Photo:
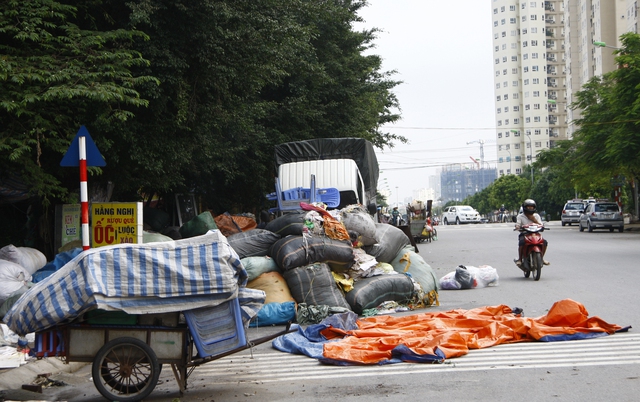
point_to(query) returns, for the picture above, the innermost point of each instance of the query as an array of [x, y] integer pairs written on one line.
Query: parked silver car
[[602, 215], [572, 211]]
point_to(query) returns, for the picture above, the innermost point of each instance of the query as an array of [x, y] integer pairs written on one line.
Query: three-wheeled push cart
[[418, 214], [127, 352]]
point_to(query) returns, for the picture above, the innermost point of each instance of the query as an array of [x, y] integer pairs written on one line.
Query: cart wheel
[[125, 369]]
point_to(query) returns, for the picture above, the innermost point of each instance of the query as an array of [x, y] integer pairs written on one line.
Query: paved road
[[597, 269]]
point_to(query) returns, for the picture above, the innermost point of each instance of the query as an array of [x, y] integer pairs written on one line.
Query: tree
[[237, 78], [607, 143], [55, 76]]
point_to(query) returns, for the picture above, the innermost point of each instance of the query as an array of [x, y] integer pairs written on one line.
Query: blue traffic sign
[[72, 157]]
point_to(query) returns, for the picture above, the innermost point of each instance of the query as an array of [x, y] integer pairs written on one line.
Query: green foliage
[[55, 77]]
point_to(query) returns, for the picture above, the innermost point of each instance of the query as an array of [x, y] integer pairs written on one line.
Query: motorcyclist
[[527, 216], [395, 216], [502, 210]]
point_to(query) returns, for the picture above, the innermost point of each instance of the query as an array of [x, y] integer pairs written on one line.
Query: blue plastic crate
[[216, 330], [330, 196]]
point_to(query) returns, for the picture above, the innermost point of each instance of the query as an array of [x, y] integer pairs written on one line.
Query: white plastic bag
[[484, 276], [12, 278], [29, 258]]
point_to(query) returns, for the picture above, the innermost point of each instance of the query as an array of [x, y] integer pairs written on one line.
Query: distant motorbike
[[532, 254]]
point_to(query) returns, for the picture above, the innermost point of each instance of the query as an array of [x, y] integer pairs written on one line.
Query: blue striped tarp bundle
[[138, 279]]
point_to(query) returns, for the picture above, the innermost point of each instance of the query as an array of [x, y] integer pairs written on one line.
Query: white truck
[[347, 166]]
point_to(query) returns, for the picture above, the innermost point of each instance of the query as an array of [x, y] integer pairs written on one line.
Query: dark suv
[[605, 215], [571, 212]]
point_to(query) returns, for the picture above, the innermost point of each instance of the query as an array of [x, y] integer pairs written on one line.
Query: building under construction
[[460, 180]]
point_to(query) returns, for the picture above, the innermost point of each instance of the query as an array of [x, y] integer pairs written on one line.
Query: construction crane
[[481, 142]]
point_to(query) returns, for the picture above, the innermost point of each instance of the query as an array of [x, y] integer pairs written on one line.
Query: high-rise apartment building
[[543, 54]]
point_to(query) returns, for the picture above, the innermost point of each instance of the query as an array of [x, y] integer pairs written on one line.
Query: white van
[[458, 214]]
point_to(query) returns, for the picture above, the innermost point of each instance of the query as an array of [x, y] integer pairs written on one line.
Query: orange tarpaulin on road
[[439, 335]]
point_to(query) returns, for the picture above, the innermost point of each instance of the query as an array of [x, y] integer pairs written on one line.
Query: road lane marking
[[273, 366]]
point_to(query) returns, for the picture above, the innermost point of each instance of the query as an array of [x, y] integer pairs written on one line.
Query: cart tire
[[125, 369]]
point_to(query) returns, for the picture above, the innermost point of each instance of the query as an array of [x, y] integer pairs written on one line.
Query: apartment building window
[[513, 71], [536, 119], [534, 55], [499, 147], [498, 85], [524, 19], [514, 84], [526, 81], [536, 131], [495, 11], [498, 98], [502, 9], [525, 56], [528, 157], [526, 69], [497, 48], [533, 17], [533, 4], [499, 135], [504, 33], [512, 8], [535, 80], [504, 59], [515, 96], [516, 108], [514, 58], [524, 31], [526, 94], [527, 132], [536, 94], [534, 30], [534, 43], [516, 146], [514, 46], [518, 170], [512, 20], [495, 23], [505, 84], [499, 122], [498, 110], [525, 43], [506, 109], [504, 72], [495, 36], [503, 21], [497, 73], [506, 96], [504, 46], [514, 33], [536, 106], [526, 107], [516, 121], [538, 144], [523, 6], [497, 61], [527, 119], [506, 122], [534, 68]]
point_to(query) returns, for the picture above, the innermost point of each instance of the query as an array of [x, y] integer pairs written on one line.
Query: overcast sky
[[442, 51]]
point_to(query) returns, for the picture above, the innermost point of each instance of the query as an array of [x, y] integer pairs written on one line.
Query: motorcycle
[[532, 254]]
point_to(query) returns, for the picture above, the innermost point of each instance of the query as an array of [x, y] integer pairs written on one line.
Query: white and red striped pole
[[84, 194]]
